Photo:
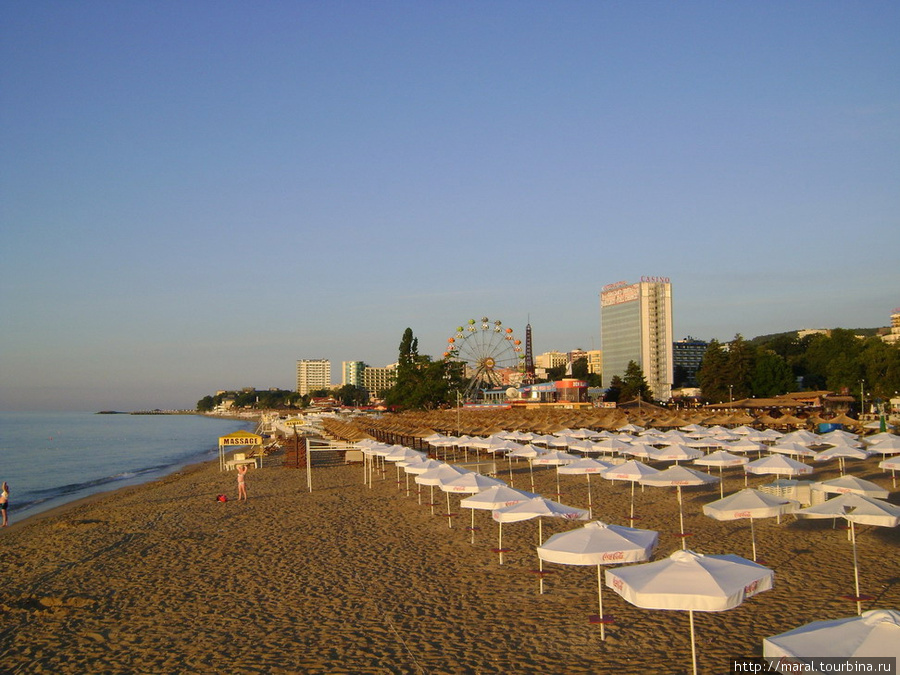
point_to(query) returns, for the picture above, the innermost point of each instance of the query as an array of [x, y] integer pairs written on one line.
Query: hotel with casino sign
[[636, 325]]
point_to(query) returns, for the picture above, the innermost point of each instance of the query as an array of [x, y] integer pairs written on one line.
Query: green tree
[[556, 372], [206, 404], [352, 395], [739, 368], [614, 391], [832, 361], [880, 363], [711, 376], [634, 384], [422, 383], [771, 374]]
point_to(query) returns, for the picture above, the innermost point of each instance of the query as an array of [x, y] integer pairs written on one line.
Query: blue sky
[[194, 195]]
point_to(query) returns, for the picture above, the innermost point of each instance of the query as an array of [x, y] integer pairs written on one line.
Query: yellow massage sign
[[240, 438]]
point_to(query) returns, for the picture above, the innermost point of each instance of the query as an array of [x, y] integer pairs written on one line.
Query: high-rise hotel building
[[312, 375], [636, 325]]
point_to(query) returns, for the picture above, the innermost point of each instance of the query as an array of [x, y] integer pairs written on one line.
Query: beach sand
[[351, 579]]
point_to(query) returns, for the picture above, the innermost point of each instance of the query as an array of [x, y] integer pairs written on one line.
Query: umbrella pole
[[681, 519], [511, 484], [540, 560], [472, 528], [855, 569], [753, 538], [449, 520], [693, 644], [721, 485], [632, 503], [431, 498], [500, 542], [531, 469], [600, 601], [558, 494], [894, 477], [590, 505]]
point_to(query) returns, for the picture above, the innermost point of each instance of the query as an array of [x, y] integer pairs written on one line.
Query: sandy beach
[[352, 579]]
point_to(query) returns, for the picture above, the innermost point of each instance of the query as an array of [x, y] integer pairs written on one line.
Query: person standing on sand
[[4, 502], [242, 485]]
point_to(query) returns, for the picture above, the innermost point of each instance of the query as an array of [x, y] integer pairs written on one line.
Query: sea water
[[50, 459]]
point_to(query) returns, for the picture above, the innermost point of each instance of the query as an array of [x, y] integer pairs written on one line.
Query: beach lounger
[[238, 459]]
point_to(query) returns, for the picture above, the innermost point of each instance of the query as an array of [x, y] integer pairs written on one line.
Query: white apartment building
[[376, 380], [549, 360], [352, 372], [313, 374]]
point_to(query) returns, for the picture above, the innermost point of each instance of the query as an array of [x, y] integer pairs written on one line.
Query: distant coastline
[[146, 412]]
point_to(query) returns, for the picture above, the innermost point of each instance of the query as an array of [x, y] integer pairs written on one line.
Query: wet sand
[[352, 579]]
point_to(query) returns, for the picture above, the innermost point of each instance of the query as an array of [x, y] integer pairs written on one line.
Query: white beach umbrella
[[555, 458], [599, 544], [851, 484], [778, 465], [678, 476], [632, 471], [691, 581], [801, 436], [855, 509], [516, 435], [745, 445], [584, 433], [420, 467], [443, 442], [563, 441], [674, 436], [631, 428], [708, 442], [840, 452], [721, 458], [893, 465], [417, 468], [874, 634], [400, 454], [435, 476], [611, 445], [639, 449], [539, 507], [882, 436], [528, 452], [792, 448], [495, 497], [887, 446], [675, 452], [585, 466], [369, 447], [502, 446], [749, 503], [839, 436], [694, 429], [467, 483], [583, 445]]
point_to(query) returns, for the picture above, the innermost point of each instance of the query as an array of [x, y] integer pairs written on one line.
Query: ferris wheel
[[489, 351]]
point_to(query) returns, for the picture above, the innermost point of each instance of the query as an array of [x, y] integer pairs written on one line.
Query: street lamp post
[[862, 398]]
